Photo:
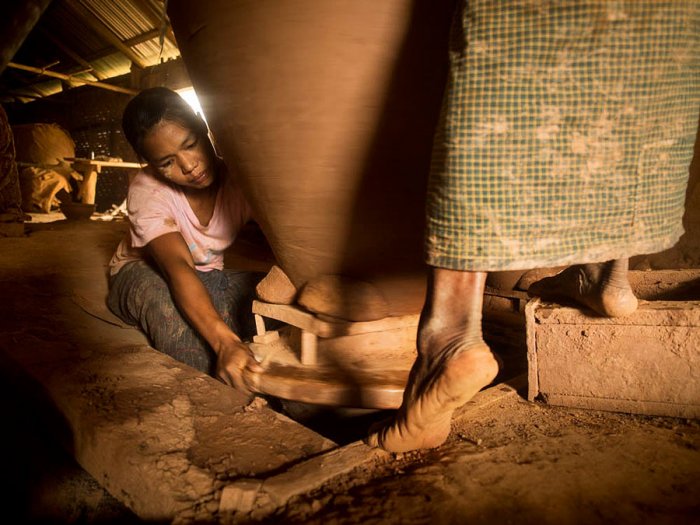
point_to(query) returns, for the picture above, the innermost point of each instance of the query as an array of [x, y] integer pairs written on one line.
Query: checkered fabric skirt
[[566, 133]]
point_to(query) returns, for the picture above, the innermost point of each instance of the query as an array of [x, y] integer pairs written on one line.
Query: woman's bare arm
[[192, 298]]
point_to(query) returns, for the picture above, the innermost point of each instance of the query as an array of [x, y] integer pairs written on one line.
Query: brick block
[[647, 363]]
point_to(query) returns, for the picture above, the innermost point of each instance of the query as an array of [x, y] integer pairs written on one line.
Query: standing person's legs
[[453, 362], [140, 296]]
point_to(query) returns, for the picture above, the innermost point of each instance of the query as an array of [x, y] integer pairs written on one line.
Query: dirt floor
[[527, 463], [514, 462]]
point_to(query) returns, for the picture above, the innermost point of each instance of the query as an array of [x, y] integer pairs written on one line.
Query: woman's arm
[[192, 298]]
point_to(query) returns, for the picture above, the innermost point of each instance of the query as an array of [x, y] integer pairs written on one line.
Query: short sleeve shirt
[[157, 207]]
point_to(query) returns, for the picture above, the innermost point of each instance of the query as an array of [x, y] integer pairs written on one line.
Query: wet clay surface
[[526, 463], [162, 438]]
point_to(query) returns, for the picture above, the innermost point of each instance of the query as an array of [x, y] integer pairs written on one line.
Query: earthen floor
[[507, 460]]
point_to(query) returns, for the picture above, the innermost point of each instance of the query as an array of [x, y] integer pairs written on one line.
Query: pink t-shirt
[[156, 207]]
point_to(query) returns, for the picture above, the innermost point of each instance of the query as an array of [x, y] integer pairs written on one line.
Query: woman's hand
[[233, 360]]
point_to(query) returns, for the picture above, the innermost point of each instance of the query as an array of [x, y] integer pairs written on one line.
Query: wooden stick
[[71, 78], [309, 348], [259, 324]]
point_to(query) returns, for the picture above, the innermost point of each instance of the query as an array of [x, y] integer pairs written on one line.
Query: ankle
[[615, 274], [435, 338]]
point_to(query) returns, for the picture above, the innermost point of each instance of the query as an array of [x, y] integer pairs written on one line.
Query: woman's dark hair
[[151, 106]]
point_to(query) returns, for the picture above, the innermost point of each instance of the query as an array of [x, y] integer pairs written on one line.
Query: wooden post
[[309, 348], [88, 188], [259, 324]]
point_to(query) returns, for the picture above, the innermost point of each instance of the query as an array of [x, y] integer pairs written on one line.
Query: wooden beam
[[133, 41], [71, 78], [155, 19], [70, 53], [143, 37]]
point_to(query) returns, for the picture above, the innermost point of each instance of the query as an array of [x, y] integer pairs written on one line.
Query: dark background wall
[[93, 119]]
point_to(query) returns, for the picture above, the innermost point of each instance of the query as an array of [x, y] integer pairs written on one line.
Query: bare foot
[[436, 387], [453, 363], [603, 287]]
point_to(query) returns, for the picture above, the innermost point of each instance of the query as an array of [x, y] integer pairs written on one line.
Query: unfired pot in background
[[326, 111]]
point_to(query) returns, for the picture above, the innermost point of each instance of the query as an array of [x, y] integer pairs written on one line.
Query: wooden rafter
[[70, 78], [155, 19], [134, 41], [70, 53]]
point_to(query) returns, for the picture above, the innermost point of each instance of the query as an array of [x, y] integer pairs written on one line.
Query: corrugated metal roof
[[123, 18], [113, 65], [93, 31]]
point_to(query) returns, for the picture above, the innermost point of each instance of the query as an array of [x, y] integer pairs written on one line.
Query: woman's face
[[179, 155]]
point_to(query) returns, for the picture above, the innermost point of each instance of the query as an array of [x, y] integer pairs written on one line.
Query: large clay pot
[[326, 110]]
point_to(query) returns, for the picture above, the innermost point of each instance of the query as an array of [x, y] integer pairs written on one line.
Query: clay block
[[323, 327], [276, 287], [647, 363]]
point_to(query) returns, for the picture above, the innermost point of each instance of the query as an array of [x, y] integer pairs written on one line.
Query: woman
[[167, 274]]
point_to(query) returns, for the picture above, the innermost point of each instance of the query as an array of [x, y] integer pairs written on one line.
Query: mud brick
[[646, 363]]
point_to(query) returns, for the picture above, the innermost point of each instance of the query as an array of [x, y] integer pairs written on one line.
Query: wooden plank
[[332, 386], [97, 163], [311, 474], [324, 328], [160, 436]]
